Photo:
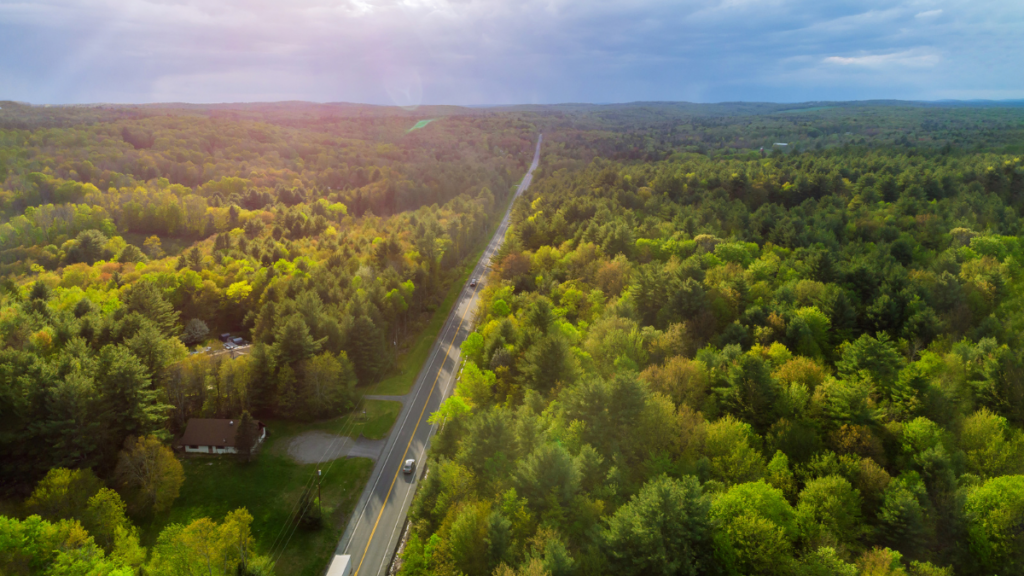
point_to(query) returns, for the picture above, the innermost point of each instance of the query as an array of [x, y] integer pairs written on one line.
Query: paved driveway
[[314, 447]]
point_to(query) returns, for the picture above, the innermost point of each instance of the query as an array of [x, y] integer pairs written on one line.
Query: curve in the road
[[380, 508]]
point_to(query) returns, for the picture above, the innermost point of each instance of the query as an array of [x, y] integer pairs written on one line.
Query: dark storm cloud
[[477, 52]]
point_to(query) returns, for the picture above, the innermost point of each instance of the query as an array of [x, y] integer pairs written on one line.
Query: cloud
[[913, 58], [502, 51]]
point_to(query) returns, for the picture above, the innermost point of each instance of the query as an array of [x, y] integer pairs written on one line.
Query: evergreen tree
[[195, 332], [131, 253], [662, 530], [365, 346], [246, 436], [194, 259], [145, 299], [130, 405], [293, 342], [89, 246], [547, 363], [262, 387]]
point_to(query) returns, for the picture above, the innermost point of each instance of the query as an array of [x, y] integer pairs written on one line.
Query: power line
[[293, 517]]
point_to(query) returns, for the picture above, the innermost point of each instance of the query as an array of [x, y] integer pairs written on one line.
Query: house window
[[194, 447]]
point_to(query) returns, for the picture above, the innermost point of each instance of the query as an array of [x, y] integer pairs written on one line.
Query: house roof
[[210, 432]]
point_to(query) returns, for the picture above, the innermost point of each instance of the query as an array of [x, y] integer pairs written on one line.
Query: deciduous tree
[[149, 469], [63, 493]]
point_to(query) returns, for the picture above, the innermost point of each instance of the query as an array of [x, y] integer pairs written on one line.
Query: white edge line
[[437, 348], [499, 239]]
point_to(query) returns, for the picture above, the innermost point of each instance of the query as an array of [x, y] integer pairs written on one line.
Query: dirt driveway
[[313, 447]]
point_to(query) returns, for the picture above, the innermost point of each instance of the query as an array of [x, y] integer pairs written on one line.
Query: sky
[[488, 52]]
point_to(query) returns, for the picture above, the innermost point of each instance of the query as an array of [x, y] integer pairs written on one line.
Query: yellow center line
[[413, 436]]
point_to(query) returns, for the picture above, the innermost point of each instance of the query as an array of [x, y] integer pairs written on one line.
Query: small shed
[[214, 436]]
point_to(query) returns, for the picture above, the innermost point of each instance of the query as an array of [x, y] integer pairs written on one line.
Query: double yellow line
[[500, 233], [413, 436]]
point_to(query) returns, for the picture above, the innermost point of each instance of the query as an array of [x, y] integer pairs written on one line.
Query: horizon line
[[510, 105]]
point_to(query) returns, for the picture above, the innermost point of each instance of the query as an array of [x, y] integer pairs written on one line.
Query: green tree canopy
[[662, 530]]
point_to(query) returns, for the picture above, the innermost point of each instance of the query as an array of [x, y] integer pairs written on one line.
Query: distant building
[[780, 144], [214, 436]]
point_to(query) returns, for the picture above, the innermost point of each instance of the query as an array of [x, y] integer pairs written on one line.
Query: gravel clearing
[[313, 447]]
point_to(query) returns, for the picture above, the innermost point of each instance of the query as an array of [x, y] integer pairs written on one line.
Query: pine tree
[[145, 298], [130, 406], [194, 259], [547, 363], [262, 387], [365, 347], [246, 437], [294, 342]]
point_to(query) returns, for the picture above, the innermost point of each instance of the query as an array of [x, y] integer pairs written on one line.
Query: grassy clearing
[[410, 362], [269, 487], [380, 417]]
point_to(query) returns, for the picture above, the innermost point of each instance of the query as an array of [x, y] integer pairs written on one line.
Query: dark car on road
[[410, 466]]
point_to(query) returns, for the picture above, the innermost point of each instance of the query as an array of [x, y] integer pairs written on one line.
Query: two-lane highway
[[371, 536]]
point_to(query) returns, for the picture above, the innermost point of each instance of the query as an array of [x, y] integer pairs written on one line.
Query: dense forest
[[732, 362], [699, 352], [131, 237]]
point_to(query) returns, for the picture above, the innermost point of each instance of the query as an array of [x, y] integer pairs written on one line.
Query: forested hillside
[[274, 233], [131, 237], [692, 356], [723, 363], [657, 130]]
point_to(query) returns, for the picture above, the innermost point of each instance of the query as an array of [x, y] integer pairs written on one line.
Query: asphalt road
[[372, 535]]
